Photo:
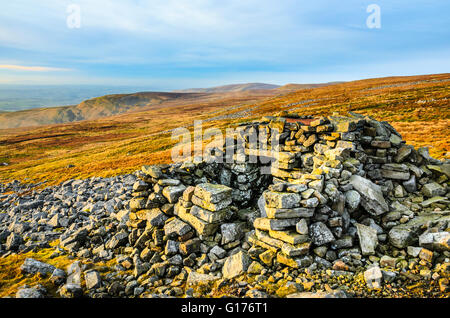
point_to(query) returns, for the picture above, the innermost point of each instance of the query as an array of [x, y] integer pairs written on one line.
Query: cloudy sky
[[168, 44]]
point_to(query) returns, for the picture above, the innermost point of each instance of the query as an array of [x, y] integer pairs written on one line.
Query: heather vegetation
[[416, 106]]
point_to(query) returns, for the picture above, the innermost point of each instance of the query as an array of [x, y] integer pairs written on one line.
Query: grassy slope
[[94, 108], [123, 143], [417, 106]]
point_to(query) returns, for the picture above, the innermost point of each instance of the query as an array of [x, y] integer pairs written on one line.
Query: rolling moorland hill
[[294, 87], [114, 104], [89, 109], [230, 88], [21, 97], [417, 106]]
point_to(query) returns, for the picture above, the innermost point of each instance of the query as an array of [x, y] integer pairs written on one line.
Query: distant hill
[[229, 88], [416, 106], [293, 87], [115, 104], [253, 86], [21, 97], [89, 109]]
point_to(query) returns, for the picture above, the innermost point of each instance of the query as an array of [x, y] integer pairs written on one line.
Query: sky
[[168, 44]]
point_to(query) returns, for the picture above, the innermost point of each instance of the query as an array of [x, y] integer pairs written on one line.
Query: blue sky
[[167, 44]]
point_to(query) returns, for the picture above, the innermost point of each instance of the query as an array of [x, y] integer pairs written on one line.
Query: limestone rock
[[439, 241], [195, 279], [283, 200], [212, 192], [371, 195], [236, 265], [29, 292], [173, 193], [433, 189], [368, 239], [32, 266], [320, 234], [92, 279], [373, 277], [352, 199]]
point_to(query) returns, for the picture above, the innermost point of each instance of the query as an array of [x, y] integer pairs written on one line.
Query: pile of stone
[[283, 232], [339, 193], [205, 207], [245, 180], [361, 184], [32, 220]]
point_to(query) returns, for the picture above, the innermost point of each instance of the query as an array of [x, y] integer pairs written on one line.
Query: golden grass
[[11, 277], [417, 106]]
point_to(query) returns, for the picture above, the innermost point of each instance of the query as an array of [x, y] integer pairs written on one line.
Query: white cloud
[[32, 68]]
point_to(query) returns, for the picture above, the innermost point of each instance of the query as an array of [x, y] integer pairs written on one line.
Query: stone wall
[[337, 188]]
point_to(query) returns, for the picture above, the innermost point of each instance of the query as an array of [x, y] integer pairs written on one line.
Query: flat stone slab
[[210, 216], [212, 193], [282, 200], [368, 239], [277, 213], [195, 278], [371, 195], [202, 227], [173, 193], [266, 238], [407, 234], [236, 265], [294, 262], [210, 205], [267, 224], [433, 189], [176, 227], [32, 266], [290, 237], [296, 250], [439, 241]]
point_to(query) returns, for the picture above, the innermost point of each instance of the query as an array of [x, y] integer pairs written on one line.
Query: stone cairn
[[340, 193], [342, 189]]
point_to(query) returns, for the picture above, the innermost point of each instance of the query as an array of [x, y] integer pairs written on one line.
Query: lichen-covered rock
[[320, 234], [368, 239], [32, 266], [176, 227], [236, 265], [173, 193], [71, 291], [231, 232], [372, 198], [30, 292], [13, 241], [437, 241], [195, 279], [212, 192], [352, 199], [433, 189], [282, 200]]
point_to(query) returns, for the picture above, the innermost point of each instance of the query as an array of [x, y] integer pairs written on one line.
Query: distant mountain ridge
[[229, 88], [293, 86], [114, 104], [93, 108]]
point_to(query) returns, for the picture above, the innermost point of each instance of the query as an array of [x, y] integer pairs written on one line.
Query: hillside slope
[[230, 88], [293, 87], [90, 109], [417, 106], [115, 104]]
